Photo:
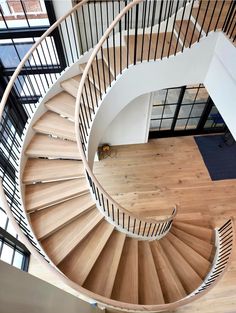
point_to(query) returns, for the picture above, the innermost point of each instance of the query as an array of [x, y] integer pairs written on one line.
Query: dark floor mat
[[219, 157]]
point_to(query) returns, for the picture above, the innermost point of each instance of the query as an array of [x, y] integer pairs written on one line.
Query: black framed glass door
[[183, 111]]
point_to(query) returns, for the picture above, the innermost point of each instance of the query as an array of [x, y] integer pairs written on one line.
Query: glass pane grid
[[183, 109]]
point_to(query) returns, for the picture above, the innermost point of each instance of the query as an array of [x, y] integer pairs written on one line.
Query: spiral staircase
[[99, 248]]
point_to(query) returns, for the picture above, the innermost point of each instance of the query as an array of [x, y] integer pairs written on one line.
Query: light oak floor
[[150, 179]]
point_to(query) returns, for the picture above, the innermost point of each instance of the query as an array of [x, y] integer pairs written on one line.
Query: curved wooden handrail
[[77, 132]]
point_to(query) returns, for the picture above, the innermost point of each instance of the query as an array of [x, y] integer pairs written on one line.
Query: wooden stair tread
[[188, 33], [116, 57], [171, 285], [59, 245], [79, 263], [48, 147], [40, 196], [71, 85], [165, 42], [102, 276], [197, 221], [204, 248], [44, 170], [62, 103], [198, 231], [47, 221], [99, 74], [188, 277], [150, 291], [126, 283], [197, 262], [53, 124]]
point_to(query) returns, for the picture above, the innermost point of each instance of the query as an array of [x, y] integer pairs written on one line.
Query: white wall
[[220, 81], [131, 125], [21, 292], [186, 68]]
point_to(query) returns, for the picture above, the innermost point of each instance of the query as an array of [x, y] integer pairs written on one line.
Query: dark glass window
[[183, 109]]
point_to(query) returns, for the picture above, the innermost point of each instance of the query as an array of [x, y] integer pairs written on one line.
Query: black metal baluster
[[134, 225], [230, 25], [103, 204], [79, 32], [195, 24], [108, 208], [75, 40], [155, 225], [212, 16], [63, 45], [152, 24], [149, 229], [85, 28], [173, 28], [189, 20], [128, 41], [114, 42], [112, 210], [143, 25], [145, 225], [219, 15], [136, 34], [118, 217], [158, 32], [139, 227], [128, 222], [224, 226], [70, 46], [203, 22], [99, 200], [181, 23], [98, 76], [228, 15], [120, 31]]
